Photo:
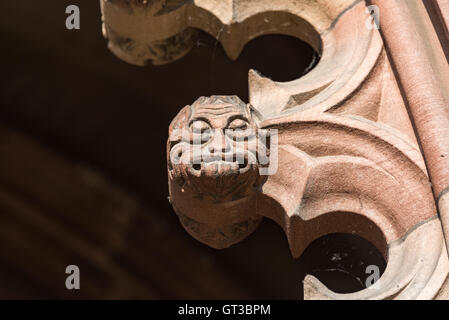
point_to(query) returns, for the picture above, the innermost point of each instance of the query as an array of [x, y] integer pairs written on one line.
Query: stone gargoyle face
[[214, 148]]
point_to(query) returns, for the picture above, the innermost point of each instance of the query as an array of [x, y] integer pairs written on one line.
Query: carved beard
[[220, 176]]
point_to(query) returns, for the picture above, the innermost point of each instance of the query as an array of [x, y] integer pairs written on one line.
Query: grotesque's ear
[[181, 119]]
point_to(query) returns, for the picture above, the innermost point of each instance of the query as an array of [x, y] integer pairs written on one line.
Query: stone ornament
[[339, 141], [213, 179]]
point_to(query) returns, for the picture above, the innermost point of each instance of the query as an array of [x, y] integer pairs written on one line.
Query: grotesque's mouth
[[221, 164], [219, 168]]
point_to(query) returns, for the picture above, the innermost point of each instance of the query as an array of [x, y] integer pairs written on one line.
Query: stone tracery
[[342, 154]]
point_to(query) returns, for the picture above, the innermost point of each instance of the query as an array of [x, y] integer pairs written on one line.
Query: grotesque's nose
[[218, 144]]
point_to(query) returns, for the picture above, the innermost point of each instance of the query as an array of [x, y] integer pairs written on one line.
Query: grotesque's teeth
[[210, 169], [244, 167], [234, 167], [221, 168]]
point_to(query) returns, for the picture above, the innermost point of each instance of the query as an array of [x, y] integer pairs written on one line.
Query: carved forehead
[[223, 110], [219, 106]]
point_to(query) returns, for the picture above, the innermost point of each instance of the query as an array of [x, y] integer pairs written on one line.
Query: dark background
[[64, 89]]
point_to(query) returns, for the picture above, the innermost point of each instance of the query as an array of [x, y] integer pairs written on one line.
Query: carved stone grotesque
[[213, 148], [215, 156]]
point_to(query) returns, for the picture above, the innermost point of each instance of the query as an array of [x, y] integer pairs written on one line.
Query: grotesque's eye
[[238, 124], [201, 130], [239, 130], [199, 126]]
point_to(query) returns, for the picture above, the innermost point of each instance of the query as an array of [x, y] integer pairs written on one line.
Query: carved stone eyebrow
[[237, 117], [199, 118], [218, 110]]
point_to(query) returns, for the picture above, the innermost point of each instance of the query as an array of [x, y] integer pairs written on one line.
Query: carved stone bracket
[[333, 151]]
